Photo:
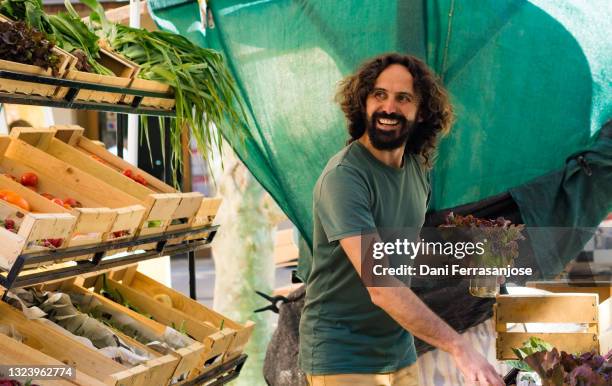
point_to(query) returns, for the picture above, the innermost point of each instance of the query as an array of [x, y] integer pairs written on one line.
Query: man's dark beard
[[389, 140]]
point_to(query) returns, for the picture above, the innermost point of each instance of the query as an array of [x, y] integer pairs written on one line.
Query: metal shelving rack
[[15, 277]]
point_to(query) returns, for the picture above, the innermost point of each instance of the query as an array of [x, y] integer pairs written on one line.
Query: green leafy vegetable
[[205, 92], [23, 44], [74, 36]]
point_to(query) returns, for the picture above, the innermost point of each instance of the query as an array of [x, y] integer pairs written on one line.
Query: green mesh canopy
[[531, 82]]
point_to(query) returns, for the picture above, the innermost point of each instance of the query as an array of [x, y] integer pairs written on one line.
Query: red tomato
[[128, 173], [29, 179], [140, 179], [72, 202]]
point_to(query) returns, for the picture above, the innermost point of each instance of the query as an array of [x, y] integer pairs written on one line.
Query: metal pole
[[192, 276], [132, 123], [120, 126]]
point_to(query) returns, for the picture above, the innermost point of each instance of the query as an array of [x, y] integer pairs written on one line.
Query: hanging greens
[[204, 90], [74, 36]]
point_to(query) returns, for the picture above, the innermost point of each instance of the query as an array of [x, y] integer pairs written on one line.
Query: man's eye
[[404, 98], [379, 95]]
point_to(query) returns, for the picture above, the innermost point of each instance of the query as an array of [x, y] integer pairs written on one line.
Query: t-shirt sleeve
[[343, 204]]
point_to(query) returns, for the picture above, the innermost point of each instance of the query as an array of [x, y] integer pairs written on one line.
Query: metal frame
[[68, 101], [13, 279], [98, 262], [220, 375]]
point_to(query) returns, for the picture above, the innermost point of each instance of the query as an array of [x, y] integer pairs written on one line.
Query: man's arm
[[412, 314]]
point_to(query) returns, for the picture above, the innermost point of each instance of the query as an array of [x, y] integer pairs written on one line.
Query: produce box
[[102, 212], [29, 223], [223, 338], [67, 62], [52, 340], [205, 215], [19, 354], [124, 71], [188, 358], [550, 312], [151, 85], [166, 208]]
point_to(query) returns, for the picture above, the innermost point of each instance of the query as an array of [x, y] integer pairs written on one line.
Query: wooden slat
[[69, 134], [569, 342], [68, 175], [16, 353], [88, 146], [549, 308], [72, 156], [603, 289], [162, 313], [37, 137], [41, 337], [191, 356]]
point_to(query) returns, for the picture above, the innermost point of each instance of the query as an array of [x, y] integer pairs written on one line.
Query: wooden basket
[[20, 87], [106, 210], [123, 69], [188, 358], [553, 308], [169, 208], [151, 85], [19, 354], [223, 338], [205, 215], [49, 339], [32, 229]]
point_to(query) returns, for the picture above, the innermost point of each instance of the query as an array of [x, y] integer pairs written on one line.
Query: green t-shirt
[[341, 330]]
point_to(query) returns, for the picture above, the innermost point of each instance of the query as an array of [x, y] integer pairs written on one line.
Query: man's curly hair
[[434, 110]]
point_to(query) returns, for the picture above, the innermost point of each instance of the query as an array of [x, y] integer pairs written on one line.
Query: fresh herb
[[23, 44], [74, 36], [563, 369], [205, 92], [29, 11]]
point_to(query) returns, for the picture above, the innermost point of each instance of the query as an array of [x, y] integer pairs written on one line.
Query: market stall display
[[69, 205], [540, 315], [102, 211], [166, 208]]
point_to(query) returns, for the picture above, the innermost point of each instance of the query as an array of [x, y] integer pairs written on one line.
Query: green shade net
[[531, 83]]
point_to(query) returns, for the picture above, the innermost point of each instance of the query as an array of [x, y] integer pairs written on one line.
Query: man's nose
[[389, 106]]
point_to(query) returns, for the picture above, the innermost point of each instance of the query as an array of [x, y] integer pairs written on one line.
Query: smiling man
[[350, 333]]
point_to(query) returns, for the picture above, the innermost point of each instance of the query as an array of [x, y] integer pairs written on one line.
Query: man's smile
[[388, 124]]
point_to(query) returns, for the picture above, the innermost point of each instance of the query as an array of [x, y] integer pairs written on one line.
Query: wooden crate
[[601, 288], [45, 220], [107, 210], [15, 86], [48, 338], [18, 354], [151, 85], [188, 358], [165, 205], [224, 338], [552, 308], [124, 70], [205, 215]]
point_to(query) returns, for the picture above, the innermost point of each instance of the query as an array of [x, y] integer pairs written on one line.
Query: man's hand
[[474, 367]]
